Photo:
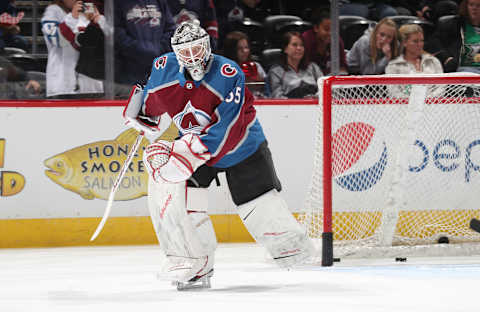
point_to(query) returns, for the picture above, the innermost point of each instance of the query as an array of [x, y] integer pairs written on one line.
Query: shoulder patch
[[161, 62], [228, 70]]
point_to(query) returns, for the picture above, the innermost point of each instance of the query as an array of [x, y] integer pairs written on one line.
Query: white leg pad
[[197, 209], [270, 222], [186, 236]]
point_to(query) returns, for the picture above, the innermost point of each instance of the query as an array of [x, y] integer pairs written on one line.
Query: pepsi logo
[[355, 145]]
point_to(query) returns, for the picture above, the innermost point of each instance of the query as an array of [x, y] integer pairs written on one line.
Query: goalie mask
[[191, 45]]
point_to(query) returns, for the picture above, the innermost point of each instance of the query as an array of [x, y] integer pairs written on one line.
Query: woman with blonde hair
[[413, 58], [371, 53]]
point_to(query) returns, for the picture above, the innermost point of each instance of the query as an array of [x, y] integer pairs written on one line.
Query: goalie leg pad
[[186, 237], [270, 222], [197, 209]]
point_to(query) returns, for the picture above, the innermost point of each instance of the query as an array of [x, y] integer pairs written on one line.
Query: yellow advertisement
[[11, 182], [90, 170]]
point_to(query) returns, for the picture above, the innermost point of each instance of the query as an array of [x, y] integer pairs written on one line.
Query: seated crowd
[[401, 37]]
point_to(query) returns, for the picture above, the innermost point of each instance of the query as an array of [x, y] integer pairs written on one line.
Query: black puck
[[401, 259], [443, 240], [336, 259]]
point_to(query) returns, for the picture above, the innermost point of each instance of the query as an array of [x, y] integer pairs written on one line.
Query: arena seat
[[270, 57], [350, 31], [25, 61], [254, 30], [428, 27], [272, 24]]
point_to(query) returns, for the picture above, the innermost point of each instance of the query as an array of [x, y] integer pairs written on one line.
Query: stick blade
[[475, 225], [104, 218]]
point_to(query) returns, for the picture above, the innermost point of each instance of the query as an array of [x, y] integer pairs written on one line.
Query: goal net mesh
[[405, 166]]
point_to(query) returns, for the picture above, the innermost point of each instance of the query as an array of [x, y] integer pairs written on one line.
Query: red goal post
[[396, 165]]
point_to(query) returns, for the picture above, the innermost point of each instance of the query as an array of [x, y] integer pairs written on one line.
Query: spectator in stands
[[371, 53], [295, 76], [231, 12], [11, 74], [456, 41], [374, 10], [9, 28], [237, 48], [86, 33], [142, 32], [62, 79], [413, 58], [317, 43], [202, 10], [427, 10]]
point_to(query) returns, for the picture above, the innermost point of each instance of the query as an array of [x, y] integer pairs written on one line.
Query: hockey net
[[396, 165]]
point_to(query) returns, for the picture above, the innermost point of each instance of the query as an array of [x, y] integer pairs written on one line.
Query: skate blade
[[200, 283], [203, 283]]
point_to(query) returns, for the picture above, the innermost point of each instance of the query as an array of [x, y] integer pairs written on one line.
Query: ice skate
[[196, 282], [189, 273]]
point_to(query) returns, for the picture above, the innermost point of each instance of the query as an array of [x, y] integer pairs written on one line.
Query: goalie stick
[[117, 184], [475, 225]]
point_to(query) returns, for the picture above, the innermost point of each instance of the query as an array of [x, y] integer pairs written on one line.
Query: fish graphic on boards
[[90, 170]]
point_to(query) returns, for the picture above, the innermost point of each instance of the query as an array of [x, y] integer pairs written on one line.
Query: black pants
[[247, 180]]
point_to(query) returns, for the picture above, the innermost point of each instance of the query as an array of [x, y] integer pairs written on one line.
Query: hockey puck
[[400, 259], [475, 225], [336, 259], [443, 240]]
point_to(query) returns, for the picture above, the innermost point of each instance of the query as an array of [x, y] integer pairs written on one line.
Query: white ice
[[117, 279]]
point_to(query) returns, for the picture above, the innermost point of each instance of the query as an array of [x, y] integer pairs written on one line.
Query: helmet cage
[[194, 56], [192, 53]]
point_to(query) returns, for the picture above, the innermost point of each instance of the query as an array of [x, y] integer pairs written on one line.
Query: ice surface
[[125, 279]]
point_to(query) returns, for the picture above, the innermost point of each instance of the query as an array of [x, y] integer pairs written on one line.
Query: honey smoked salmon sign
[[90, 170]]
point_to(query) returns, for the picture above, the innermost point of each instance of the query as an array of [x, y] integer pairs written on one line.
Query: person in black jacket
[[142, 32], [456, 42], [428, 10], [91, 44]]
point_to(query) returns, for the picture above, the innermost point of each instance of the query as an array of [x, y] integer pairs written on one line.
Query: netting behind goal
[[397, 161]]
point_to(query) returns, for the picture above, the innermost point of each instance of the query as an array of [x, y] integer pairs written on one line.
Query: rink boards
[[59, 159]]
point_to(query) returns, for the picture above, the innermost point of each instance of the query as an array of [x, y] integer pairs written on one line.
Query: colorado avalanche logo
[[351, 143], [160, 62], [228, 70], [191, 120]]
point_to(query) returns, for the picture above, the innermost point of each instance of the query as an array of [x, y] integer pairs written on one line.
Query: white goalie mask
[[191, 45]]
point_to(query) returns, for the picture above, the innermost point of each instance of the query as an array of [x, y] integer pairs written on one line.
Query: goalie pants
[[247, 180]]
